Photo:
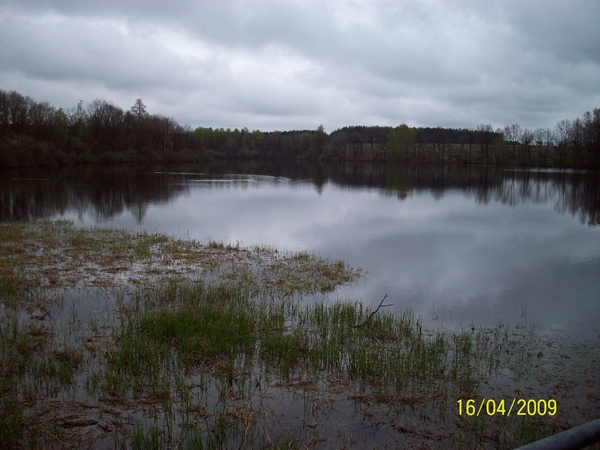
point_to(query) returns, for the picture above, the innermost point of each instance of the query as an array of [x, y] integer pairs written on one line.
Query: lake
[[460, 246]]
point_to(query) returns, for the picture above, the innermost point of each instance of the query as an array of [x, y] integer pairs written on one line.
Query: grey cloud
[[90, 50], [567, 30], [298, 64]]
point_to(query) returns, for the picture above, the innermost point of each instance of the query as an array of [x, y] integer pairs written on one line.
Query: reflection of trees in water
[[404, 180], [105, 192], [114, 193], [27, 199], [101, 192], [580, 197], [576, 193]]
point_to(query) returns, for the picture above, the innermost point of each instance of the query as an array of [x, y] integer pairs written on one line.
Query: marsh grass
[[200, 344], [167, 338], [198, 325], [34, 364]]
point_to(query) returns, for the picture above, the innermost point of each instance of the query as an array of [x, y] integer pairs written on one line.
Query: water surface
[[460, 246]]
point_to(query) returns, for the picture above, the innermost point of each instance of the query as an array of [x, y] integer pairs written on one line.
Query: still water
[[460, 246]]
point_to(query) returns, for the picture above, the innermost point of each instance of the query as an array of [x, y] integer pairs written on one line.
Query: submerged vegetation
[[139, 340], [33, 133]]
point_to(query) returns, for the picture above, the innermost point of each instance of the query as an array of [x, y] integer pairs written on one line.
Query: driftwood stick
[[381, 305]]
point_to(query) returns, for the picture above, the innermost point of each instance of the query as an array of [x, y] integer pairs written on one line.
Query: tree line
[[37, 133]]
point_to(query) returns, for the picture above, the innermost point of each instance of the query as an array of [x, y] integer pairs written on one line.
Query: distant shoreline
[[38, 134]]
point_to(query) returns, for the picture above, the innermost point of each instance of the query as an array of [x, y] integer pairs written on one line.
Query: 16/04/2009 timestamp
[[518, 407]]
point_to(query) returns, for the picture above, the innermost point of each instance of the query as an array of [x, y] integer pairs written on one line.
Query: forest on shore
[[36, 134]]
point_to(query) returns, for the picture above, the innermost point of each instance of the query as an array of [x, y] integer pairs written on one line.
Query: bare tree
[[439, 141], [538, 139], [512, 134], [60, 128], [576, 140], [40, 117], [105, 120], [17, 111], [4, 110], [549, 139], [470, 141], [486, 138], [526, 141], [591, 123], [562, 131]]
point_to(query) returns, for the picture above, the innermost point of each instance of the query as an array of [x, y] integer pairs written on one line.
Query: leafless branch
[[381, 305]]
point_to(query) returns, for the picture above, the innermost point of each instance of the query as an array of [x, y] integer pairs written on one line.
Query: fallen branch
[[381, 305]]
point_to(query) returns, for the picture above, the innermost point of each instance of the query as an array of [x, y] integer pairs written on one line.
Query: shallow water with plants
[[118, 339]]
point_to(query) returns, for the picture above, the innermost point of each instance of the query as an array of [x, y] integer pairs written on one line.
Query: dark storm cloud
[[295, 64]]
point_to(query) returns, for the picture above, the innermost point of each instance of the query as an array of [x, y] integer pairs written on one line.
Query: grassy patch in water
[[57, 254], [219, 329]]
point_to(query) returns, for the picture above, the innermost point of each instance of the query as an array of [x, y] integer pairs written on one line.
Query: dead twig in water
[[381, 305]]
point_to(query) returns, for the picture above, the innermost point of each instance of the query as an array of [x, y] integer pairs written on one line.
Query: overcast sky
[[283, 64]]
